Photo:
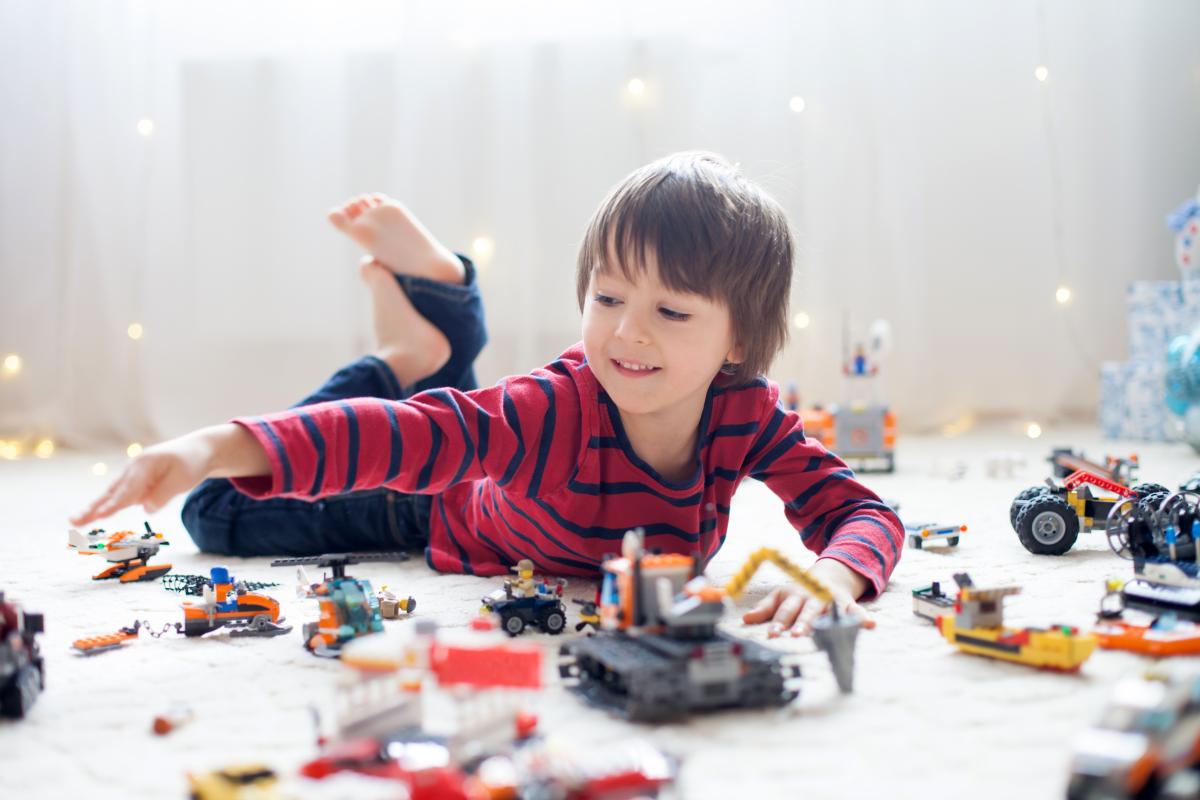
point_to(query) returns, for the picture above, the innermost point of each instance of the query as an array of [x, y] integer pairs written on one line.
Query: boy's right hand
[[177, 465]]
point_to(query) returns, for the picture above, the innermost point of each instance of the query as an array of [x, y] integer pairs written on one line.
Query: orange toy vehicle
[[129, 553], [230, 604]]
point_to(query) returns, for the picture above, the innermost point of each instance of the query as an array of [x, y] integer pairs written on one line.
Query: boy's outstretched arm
[[857, 536], [164, 470]]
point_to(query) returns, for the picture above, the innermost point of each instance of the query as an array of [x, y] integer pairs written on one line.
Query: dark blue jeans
[[222, 520]]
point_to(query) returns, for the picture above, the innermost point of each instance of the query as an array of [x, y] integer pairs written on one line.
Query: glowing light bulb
[[99, 468], [44, 448], [1033, 430], [145, 127], [134, 330], [482, 248], [12, 364], [1062, 295], [636, 86], [10, 450], [1041, 73], [134, 450], [801, 320], [796, 104]]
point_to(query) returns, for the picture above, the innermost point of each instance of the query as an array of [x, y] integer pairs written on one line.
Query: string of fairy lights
[[13, 367]]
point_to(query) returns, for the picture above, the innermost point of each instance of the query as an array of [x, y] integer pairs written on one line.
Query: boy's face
[[652, 349]]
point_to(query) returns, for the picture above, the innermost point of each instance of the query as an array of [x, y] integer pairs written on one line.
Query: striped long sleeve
[[837, 516], [516, 434]]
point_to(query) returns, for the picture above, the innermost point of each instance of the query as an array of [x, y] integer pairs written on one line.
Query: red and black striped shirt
[[539, 467]]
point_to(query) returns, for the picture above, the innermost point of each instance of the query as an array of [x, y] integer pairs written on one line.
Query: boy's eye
[[605, 300], [675, 315]]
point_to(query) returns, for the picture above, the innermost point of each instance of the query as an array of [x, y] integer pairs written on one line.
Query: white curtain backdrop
[[931, 178]]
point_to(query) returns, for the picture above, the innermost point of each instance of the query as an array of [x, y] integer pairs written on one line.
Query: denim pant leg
[[222, 520]]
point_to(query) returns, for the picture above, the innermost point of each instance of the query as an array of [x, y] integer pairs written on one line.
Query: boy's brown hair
[[712, 233]]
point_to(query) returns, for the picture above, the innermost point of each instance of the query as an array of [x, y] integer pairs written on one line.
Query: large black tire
[[552, 621], [1024, 496], [18, 696], [1047, 526], [1144, 489]]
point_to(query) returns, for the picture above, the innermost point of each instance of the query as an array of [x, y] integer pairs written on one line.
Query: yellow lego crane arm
[[737, 584]]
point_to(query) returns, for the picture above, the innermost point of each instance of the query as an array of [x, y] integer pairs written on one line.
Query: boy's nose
[[631, 329]]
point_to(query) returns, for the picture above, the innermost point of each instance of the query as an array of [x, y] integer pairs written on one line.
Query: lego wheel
[[1192, 484], [1021, 499], [1181, 513], [18, 696], [553, 621], [1047, 525], [261, 622], [952, 541], [513, 624], [1119, 527], [914, 542], [1144, 489]]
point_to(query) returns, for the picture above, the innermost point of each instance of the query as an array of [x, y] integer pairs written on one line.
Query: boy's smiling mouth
[[634, 368]]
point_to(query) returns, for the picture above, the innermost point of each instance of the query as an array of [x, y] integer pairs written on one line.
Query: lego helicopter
[[129, 552], [349, 606]]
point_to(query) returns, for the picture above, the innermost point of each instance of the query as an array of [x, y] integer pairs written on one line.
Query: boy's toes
[[339, 218]]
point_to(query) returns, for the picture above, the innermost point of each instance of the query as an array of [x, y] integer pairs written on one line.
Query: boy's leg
[[222, 520]]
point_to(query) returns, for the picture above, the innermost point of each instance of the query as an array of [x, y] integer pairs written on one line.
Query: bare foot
[[389, 232], [408, 342]]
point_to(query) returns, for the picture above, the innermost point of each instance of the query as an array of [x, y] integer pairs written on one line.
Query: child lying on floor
[[651, 421]]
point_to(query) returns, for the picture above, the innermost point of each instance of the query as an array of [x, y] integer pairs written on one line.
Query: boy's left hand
[[792, 608]]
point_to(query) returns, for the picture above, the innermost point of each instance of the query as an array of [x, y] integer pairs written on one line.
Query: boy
[[651, 421]]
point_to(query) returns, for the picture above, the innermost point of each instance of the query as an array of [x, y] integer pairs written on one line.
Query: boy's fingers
[[785, 615], [764, 608]]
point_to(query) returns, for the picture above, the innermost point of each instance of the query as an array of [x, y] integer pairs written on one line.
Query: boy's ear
[[735, 356]]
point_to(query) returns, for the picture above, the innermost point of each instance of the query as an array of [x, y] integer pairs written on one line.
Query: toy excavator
[[658, 653], [129, 553]]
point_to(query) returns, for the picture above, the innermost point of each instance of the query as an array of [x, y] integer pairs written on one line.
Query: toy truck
[[658, 654], [526, 600], [1048, 518]]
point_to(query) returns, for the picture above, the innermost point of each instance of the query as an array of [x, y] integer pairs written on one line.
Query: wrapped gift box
[[1131, 402]]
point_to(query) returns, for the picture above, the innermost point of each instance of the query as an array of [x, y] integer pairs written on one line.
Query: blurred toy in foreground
[[526, 600], [348, 606], [22, 672], [1146, 743], [925, 533], [1183, 352], [658, 653], [243, 782], [128, 552], [977, 627], [449, 716]]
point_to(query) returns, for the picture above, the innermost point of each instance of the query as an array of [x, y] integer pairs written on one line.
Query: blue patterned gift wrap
[[1155, 317], [1132, 404]]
